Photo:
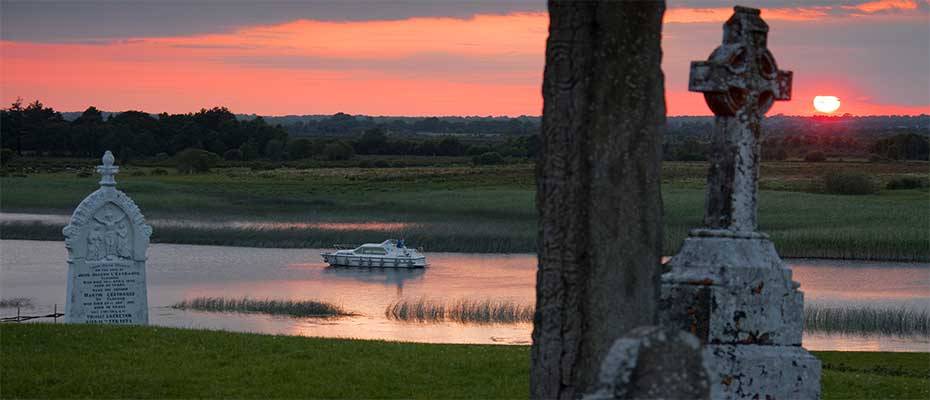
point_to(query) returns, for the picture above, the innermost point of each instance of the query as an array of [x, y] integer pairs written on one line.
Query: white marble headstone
[[107, 240]]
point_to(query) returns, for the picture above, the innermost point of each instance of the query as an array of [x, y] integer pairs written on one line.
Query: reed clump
[[900, 321], [460, 310], [294, 308], [16, 302]]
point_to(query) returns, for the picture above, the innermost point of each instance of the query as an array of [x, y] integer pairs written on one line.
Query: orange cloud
[[484, 65], [482, 35], [884, 5], [721, 14]]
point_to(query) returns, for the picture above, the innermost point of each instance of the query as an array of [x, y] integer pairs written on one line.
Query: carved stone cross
[[740, 81]]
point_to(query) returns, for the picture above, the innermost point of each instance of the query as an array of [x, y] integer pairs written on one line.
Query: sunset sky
[[421, 57]]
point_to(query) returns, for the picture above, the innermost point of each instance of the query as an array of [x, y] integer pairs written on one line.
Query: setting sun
[[826, 104]]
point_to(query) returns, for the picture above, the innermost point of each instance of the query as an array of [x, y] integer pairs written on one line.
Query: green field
[[88, 361], [475, 209]]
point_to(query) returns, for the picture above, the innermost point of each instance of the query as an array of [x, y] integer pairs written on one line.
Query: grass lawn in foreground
[[79, 361]]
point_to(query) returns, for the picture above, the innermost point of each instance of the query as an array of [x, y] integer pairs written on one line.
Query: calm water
[[62, 220], [38, 270]]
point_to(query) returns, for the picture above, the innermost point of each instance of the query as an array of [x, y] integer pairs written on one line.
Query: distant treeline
[[35, 129], [342, 124]]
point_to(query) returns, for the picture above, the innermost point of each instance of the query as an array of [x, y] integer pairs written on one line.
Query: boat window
[[371, 250]]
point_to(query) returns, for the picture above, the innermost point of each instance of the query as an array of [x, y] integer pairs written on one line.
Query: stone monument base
[[761, 372], [733, 292]]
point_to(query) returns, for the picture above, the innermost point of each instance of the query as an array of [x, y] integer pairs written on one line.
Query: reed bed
[[900, 321], [16, 302], [302, 308], [461, 310]]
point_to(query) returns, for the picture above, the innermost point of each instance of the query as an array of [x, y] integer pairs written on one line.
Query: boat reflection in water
[[384, 276]]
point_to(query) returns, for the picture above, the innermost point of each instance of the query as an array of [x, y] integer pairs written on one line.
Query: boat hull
[[338, 260]]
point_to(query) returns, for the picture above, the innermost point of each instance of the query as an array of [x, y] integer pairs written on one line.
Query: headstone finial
[[107, 170]]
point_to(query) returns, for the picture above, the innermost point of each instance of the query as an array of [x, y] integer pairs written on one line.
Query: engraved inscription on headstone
[[107, 239]]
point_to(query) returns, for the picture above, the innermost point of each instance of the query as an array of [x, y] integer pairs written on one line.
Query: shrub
[[908, 146], [195, 160], [815, 157], [233, 155], [848, 183], [908, 182], [274, 149], [137, 172], [381, 164], [249, 151], [364, 164], [84, 174], [299, 149], [489, 158], [6, 155], [159, 171], [338, 151]]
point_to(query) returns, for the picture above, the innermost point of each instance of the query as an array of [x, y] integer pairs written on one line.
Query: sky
[[421, 57]]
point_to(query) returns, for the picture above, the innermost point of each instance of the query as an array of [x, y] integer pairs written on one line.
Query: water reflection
[[38, 270], [385, 276]]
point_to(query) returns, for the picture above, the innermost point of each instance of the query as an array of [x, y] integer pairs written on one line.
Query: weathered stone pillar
[[727, 285], [600, 208]]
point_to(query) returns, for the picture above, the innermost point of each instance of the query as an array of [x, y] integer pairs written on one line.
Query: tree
[[600, 236], [6, 155], [903, 147], [299, 149], [338, 150], [450, 146], [489, 158], [274, 149], [192, 161], [373, 141], [249, 151], [233, 155]]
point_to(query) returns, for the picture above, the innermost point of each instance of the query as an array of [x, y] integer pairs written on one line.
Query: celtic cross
[[740, 81]]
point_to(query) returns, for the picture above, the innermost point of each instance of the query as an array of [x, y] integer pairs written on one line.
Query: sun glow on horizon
[[826, 104]]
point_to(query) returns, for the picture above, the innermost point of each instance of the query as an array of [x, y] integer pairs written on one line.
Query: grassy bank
[[475, 209], [59, 361]]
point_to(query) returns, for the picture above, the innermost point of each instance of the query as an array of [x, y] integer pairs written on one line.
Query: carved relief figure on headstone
[[727, 285], [107, 240]]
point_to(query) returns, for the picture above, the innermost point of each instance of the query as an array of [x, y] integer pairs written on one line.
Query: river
[[37, 270]]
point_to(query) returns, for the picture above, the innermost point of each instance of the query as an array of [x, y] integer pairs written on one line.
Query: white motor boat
[[387, 254]]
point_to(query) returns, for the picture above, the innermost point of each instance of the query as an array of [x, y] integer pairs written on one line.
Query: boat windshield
[[371, 250]]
